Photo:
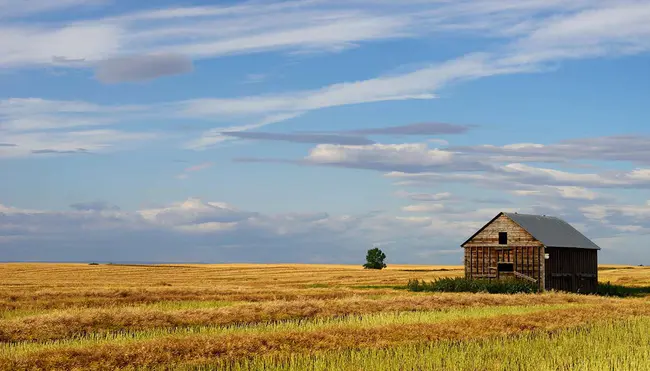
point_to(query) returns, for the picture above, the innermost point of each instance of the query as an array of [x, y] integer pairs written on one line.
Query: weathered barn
[[542, 249]]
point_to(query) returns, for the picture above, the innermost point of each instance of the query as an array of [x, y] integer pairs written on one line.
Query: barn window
[[505, 267], [503, 238]]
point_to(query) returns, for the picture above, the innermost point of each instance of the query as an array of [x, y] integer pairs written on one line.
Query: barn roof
[[549, 230], [552, 231]]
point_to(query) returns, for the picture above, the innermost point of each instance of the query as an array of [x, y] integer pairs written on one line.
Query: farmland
[[321, 317]]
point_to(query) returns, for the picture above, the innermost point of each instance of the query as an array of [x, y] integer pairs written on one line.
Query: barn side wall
[[574, 270], [483, 252]]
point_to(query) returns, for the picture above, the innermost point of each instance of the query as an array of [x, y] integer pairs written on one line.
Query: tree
[[375, 259]]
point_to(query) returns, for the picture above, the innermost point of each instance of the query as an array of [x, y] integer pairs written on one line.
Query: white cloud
[[194, 212], [25, 46], [632, 148], [579, 193], [380, 155], [424, 208], [526, 179], [442, 196], [12, 8], [618, 25], [299, 26]]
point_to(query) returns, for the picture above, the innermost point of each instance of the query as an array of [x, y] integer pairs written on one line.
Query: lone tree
[[375, 259]]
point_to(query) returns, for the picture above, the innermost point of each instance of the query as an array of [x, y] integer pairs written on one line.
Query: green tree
[[375, 259]]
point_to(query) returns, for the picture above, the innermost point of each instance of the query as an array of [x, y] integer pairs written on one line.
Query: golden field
[[293, 316]]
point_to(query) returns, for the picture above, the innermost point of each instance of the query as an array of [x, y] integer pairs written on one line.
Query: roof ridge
[[541, 216]]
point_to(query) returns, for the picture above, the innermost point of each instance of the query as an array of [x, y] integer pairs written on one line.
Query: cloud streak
[[300, 137], [194, 169], [424, 128], [532, 34], [142, 68]]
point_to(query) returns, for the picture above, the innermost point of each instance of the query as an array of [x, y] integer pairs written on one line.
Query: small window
[[503, 238], [506, 267]]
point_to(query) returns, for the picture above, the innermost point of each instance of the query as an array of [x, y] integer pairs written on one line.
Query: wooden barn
[[542, 249]]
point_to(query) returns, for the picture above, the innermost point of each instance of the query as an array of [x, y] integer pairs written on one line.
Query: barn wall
[[481, 261], [483, 252], [573, 270]]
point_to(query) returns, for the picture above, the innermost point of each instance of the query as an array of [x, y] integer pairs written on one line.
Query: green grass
[[461, 284], [359, 321], [621, 345], [373, 287], [317, 286], [609, 289]]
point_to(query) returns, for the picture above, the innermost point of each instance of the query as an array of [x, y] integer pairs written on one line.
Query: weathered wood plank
[[531, 279]]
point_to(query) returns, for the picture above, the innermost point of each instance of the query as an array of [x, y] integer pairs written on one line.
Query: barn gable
[[489, 234]]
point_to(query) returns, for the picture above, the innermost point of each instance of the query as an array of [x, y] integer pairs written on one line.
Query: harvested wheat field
[[307, 317]]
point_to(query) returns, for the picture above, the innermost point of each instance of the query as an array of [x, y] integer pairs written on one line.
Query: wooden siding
[[573, 270], [489, 236], [483, 252], [481, 261]]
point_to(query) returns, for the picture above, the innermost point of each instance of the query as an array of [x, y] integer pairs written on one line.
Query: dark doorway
[[505, 267]]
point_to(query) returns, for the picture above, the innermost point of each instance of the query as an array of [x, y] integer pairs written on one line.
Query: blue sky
[[310, 131]]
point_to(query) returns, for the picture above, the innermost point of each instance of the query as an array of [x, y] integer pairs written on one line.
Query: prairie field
[[307, 317]]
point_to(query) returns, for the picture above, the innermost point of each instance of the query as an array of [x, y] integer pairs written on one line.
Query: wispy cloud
[[199, 167], [632, 148], [530, 35], [10, 9], [193, 169], [253, 78], [94, 206], [540, 28], [301, 137], [424, 128], [72, 142]]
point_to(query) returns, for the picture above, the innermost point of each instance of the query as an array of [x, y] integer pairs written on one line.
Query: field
[[306, 317]]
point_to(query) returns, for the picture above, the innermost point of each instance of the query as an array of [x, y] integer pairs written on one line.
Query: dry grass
[[200, 348], [69, 323], [57, 286], [64, 316], [600, 347], [625, 275]]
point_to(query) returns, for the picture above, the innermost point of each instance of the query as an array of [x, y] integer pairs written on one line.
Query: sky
[[311, 131]]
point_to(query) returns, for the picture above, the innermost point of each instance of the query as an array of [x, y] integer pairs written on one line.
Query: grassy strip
[[123, 338], [612, 345], [382, 331], [461, 284], [76, 322], [161, 305], [11, 300], [609, 289]]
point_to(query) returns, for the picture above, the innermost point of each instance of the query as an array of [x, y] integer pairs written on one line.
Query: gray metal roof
[[552, 231]]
